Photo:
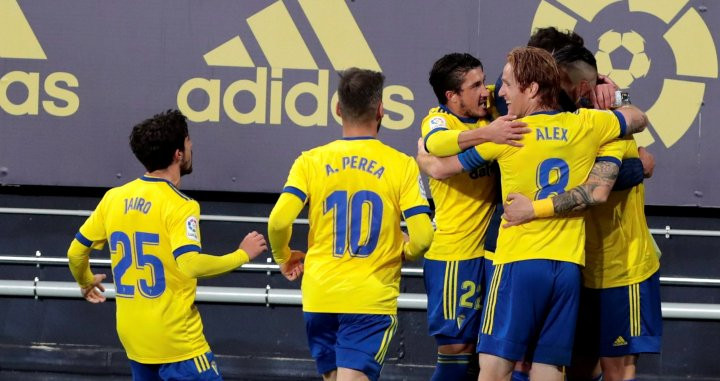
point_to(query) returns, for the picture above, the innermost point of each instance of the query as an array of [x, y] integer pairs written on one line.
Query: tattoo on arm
[[594, 191], [635, 125]]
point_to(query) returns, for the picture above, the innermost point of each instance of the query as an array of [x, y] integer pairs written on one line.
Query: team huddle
[[540, 263]]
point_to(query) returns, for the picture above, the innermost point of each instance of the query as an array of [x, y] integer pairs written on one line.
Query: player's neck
[[534, 108], [351, 130], [171, 174]]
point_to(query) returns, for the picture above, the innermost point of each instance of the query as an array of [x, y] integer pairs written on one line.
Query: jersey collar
[[462, 119]]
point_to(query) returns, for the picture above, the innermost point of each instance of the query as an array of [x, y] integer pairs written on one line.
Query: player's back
[[148, 222], [358, 189], [464, 203], [558, 155], [619, 249]]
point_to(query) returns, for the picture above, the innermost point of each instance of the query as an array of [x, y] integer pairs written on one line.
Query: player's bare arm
[[520, 209], [635, 119], [439, 168], [503, 130]]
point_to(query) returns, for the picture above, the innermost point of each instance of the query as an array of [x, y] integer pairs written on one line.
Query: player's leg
[[145, 372], [346, 374], [511, 320], [546, 372], [363, 341], [618, 368], [198, 368], [495, 368], [321, 330], [554, 346], [330, 376], [632, 326], [454, 290]]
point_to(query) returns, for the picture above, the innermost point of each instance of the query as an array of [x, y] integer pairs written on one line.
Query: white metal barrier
[[279, 296], [269, 296]]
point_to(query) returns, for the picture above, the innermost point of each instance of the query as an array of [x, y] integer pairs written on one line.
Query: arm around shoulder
[[635, 119]]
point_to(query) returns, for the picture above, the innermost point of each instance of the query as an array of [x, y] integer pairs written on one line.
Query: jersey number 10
[[338, 202]]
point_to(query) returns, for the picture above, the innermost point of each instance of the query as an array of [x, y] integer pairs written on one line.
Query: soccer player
[[357, 189], [454, 264], [620, 310], [531, 306], [155, 244]]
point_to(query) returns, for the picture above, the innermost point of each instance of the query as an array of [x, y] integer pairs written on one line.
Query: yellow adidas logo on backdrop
[[284, 48], [18, 41]]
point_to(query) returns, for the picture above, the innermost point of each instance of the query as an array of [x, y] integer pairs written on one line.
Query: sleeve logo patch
[[422, 187], [192, 231], [437, 122]]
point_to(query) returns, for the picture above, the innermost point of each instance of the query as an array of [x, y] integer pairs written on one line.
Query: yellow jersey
[[465, 202], [619, 249], [357, 189], [148, 223], [558, 155]]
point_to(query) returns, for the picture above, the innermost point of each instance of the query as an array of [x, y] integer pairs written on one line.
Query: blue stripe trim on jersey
[[609, 159], [431, 133], [358, 138], [185, 249], [623, 123], [415, 210], [159, 180], [462, 119], [296, 192], [471, 159], [82, 239], [546, 112]]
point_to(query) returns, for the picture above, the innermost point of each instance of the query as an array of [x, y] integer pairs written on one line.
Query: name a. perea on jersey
[[551, 133], [137, 203], [360, 163]]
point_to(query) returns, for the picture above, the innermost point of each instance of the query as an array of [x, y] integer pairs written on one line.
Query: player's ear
[[380, 111], [337, 110], [533, 88], [449, 95], [178, 156]]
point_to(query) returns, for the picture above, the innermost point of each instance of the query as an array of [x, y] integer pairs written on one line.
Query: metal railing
[[667, 231], [269, 296], [38, 259], [274, 297]]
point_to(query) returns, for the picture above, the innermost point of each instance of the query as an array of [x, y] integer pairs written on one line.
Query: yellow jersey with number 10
[[357, 189]]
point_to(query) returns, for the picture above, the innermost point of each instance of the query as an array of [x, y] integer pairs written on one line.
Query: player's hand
[[518, 210], [604, 93], [648, 162], [93, 293], [294, 267], [421, 151], [253, 244], [506, 130]]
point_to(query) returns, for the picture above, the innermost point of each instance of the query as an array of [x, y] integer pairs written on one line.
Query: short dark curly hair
[[552, 40], [155, 140], [448, 72]]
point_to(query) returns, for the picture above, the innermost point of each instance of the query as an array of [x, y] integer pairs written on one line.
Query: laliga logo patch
[[192, 228], [437, 122], [684, 33]]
